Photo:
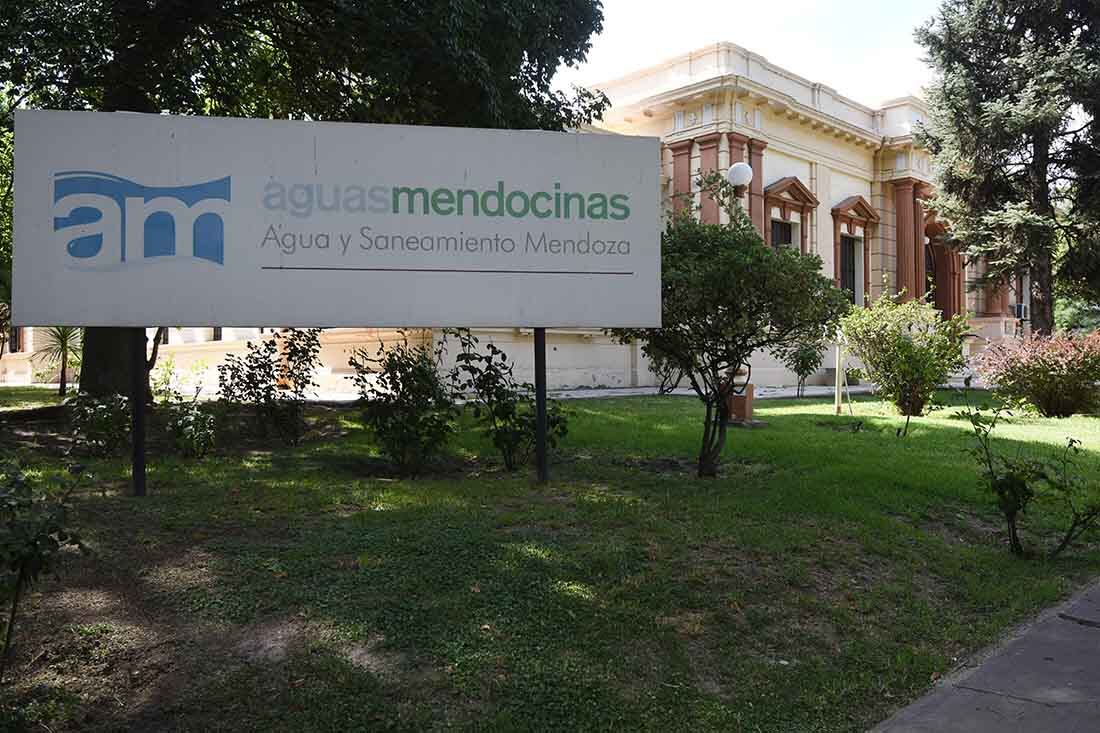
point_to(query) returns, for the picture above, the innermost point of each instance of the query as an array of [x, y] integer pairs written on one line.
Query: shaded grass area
[[828, 577], [18, 398]]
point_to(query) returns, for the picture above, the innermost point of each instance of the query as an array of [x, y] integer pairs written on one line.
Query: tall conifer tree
[[1011, 133]]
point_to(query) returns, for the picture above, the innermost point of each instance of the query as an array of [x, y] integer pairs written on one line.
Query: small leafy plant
[[804, 358], [907, 349], [1012, 480], [1019, 482], [505, 407], [1054, 375], [34, 531], [101, 425], [193, 429], [273, 379], [406, 404]]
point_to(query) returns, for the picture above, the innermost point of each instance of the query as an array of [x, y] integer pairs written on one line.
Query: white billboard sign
[[136, 220]]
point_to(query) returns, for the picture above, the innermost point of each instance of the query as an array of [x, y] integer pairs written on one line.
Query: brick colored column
[[681, 174], [756, 189], [920, 274], [804, 227], [903, 207], [708, 161], [737, 147]]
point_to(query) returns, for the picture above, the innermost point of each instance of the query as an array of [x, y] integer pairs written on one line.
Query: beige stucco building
[[832, 177]]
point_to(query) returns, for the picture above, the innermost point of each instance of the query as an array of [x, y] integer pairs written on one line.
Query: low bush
[[406, 404], [273, 379], [1055, 375], [505, 407], [193, 430], [101, 425], [34, 531], [907, 349]]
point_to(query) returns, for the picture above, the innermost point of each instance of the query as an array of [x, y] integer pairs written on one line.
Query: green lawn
[[16, 398], [827, 578]]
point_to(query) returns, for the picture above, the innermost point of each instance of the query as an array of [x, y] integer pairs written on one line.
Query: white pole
[[837, 399]]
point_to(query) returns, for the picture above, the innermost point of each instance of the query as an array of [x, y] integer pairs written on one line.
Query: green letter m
[[411, 194]]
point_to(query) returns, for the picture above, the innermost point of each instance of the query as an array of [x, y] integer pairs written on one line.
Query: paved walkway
[[1044, 678]]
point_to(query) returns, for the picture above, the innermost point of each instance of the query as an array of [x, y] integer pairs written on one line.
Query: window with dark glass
[[782, 233], [848, 266], [15, 340], [217, 335]]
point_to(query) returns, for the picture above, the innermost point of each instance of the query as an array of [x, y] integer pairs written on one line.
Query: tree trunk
[[1042, 295], [107, 361], [714, 437], [1042, 270], [64, 372], [1014, 544]]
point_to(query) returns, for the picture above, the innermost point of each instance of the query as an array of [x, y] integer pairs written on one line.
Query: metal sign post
[[137, 410], [540, 405]]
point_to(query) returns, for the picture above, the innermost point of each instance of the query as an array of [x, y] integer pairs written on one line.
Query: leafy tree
[[1076, 315], [725, 295], [61, 344], [441, 62], [1013, 138]]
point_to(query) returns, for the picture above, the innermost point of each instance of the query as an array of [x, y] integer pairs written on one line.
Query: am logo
[[107, 222]]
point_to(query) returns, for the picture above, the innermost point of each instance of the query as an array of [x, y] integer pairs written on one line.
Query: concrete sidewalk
[[1044, 677]]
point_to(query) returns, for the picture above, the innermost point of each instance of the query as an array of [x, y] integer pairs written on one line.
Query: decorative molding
[[788, 195]]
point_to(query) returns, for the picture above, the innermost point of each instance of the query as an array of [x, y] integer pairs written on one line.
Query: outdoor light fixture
[[739, 176]]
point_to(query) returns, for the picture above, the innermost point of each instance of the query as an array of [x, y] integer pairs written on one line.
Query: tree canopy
[[1013, 137], [725, 295], [441, 62]]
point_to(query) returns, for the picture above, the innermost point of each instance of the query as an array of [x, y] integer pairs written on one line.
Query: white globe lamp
[[739, 176]]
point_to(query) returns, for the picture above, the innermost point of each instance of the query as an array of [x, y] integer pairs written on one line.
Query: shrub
[[273, 378], [193, 430], [907, 349], [1055, 375], [101, 425], [407, 406], [505, 407], [1019, 482], [33, 533]]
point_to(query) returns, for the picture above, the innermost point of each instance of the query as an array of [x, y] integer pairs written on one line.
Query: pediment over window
[[793, 190], [856, 207]]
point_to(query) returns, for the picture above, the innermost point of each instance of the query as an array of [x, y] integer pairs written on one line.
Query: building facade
[[831, 176]]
